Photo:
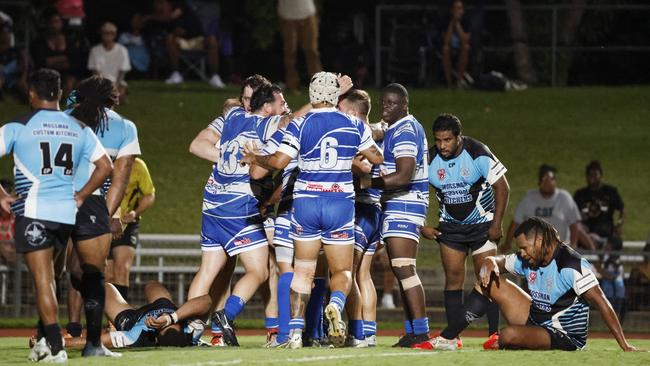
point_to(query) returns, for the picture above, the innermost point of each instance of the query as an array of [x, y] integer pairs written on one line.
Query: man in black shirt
[[598, 203]]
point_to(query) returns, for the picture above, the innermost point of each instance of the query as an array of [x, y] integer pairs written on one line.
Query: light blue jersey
[[464, 183], [556, 291], [325, 141], [48, 148], [119, 139], [406, 138]]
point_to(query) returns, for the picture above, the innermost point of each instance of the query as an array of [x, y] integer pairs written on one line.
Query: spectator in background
[[110, 59], [13, 62], [611, 273], [455, 40], [639, 282], [136, 46], [139, 196], [71, 10], [7, 224], [599, 203], [554, 205], [298, 25], [185, 33], [55, 50]]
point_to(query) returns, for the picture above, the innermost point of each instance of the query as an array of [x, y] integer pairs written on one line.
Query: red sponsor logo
[[441, 174], [532, 277], [340, 235], [242, 241], [320, 188]]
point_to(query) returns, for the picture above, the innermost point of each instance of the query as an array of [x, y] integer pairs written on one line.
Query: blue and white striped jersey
[[119, 139], [371, 195], [289, 172], [48, 147], [464, 183], [406, 138], [230, 181], [325, 141], [555, 290]]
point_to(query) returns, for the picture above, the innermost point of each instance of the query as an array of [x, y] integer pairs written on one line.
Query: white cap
[[324, 87]]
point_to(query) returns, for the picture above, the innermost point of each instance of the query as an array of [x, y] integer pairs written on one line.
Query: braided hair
[[93, 96], [534, 227]]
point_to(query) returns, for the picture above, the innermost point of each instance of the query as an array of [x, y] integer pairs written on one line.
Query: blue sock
[[284, 305], [369, 328], [234, 306], [408, 327], [271, 323], [356, 329], [338, 298], [297, 323], [421, 326], [314, 312]]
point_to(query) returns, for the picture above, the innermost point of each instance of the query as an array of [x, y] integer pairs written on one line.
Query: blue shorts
[[367, 224], [232, 235], [330, 220], [282, 234], [400, 227]]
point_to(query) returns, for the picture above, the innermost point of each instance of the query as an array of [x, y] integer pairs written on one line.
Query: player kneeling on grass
[[158, 323], [553, 313]]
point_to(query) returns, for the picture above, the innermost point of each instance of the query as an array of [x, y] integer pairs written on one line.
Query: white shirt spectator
[[296, 9], [560, 210], [109, 63]]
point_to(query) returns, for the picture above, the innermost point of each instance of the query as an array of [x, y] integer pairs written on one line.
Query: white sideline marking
[[308, 359]]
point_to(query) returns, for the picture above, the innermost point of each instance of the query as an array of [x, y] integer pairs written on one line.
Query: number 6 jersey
[[48, 146]]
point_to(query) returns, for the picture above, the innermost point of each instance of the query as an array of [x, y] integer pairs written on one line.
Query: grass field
[[564, 127], [600, 352]]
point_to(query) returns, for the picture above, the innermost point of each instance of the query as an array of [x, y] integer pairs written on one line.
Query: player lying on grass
[[554, 312], [158, 323]]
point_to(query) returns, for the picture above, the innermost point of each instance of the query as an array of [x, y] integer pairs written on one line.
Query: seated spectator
[[7, 224], [136, 46], [554, 205], [611, 277], [639, 283], [455, 39], [13, 62], [55, 50], [185, 33], [599, 203], [110, 59]]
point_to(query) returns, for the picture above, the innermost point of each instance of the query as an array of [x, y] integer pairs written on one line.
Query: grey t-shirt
[[560, 210]]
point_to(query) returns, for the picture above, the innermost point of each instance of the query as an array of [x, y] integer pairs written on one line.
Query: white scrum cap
[[324, 87]]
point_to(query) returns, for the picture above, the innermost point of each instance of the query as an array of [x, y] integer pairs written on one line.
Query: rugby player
[[325, 141], [472, 192], [157, 323], [95, 226], [405, 199], [553, 314], [49, 147], [362, 302]]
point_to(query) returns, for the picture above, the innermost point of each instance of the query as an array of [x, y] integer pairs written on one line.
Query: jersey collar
[[400, 121]]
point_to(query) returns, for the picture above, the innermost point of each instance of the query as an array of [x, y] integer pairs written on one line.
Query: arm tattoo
[[263, 161]]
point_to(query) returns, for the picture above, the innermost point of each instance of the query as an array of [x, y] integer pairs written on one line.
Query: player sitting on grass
[[554, 312], [158, 323]]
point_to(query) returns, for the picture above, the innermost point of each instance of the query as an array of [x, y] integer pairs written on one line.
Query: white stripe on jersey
[[31, 199]]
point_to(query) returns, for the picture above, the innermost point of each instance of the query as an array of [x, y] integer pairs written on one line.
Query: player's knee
[[454, 278], [303, 276], [508, 337]]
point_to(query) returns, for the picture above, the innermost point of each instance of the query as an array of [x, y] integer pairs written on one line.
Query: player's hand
[[248, 159], [251, 148], [489, 266], [430, 233], [495, 232], [365, 181], [160, 322], [129, 217], [116, 228], [345, 83], [79, 199], [5, 203]]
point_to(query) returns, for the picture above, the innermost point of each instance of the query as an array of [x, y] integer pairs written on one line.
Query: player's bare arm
[[204, 145], [501, 196], [595, 296], [402, 176], [103, 168], [374, 155], [492, 265]]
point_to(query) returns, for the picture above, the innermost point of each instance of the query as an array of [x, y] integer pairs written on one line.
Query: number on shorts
[[328, 153]]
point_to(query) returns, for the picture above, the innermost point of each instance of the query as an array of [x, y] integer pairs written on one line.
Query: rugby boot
[[336, 328], [90, 350], [438, 344], [227, 328], [492, 343]]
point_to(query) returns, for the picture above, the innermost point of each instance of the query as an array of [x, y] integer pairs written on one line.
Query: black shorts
[[34, 234], [92, 219], [130, 237], [126, 319], [559, 340], [463, 237]]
